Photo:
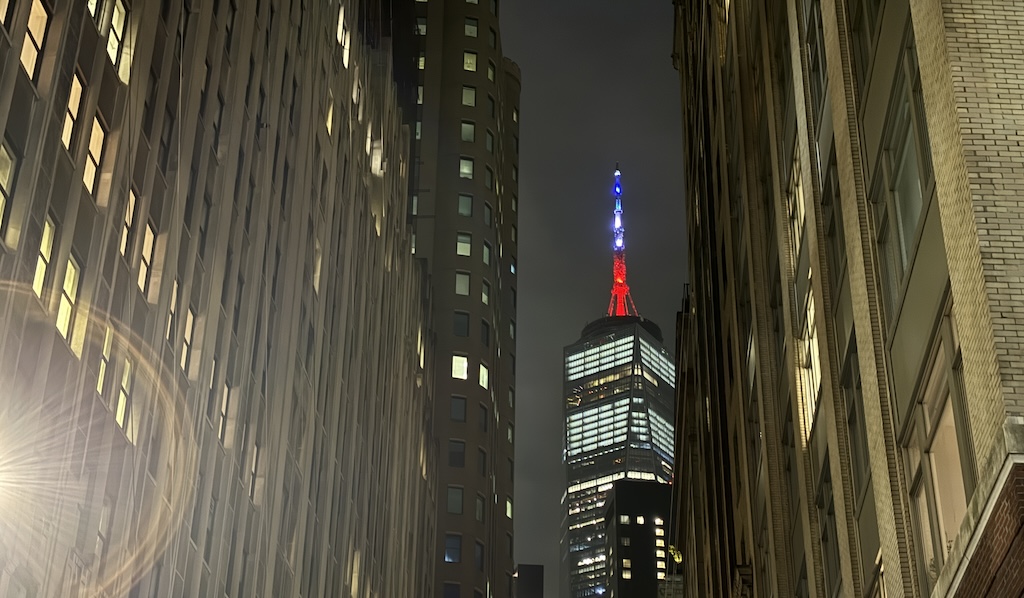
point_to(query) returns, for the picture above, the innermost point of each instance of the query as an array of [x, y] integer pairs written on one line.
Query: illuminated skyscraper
[[619, 392]]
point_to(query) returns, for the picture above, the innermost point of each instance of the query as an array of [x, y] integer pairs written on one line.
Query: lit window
[[659, 531], [419, 130], [97, 138], [35, 37], [472, 25], [71, 112], [661, 564], [468, 96], [490, 71], [452, 548], [462, 283], [466, 168], [659, 553], [419, 95], [661, 575], [624, 519], [115, 39], [146, 263], [422, 61], [469, 61], [8, 167], [468, 131], [512, 265], [627, 563], [510, 433], [124, 396], [515, 115], [93, 5], [101, 375], [489, 142], [186, 345], [129, 219], [627, 574], [464, 244], [68, 297], [465, 205], [317, 263], [43, 261], [421, 25], [330, 110], [225, 404], [173, 309], [460, 367], [508, 508], [485, 293], [639, 518], [487, 254], [484, 378], [624, 541], [344, 35]]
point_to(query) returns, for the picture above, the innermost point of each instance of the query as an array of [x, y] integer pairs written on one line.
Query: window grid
[[68, 298]]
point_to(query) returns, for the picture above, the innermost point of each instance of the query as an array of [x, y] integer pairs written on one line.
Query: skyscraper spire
[[621, 303]]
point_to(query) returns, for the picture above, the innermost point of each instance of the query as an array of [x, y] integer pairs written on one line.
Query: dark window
[[452, 590], [456, 453], [458, 409], [455, 500], [461, 325], [452, 549], [478, 556]]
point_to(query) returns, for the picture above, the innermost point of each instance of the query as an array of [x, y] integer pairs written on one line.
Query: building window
[[508, 507], [492, 38], [462, 283], [464, 244], [71, 112], [8, 168], [515, 115], [490, 71], [487, 253], [97, 139], [488, 178], [481, 461], [810, 361], [469, 61], [186, 345], [905, 180], [818, 74], [940, 468], [488, 215], [422, 61], [146, 263], [485, 333], [419, 95], [465, 205], [863, 16], [115, 37], [101, 375], [483, 418], [129, 219], [491, 106], [421, 25], [461, 324], [828, 536], [455, 500], [456, 453], [485, 293], [225, 410], [468, 96], [466, 168], [460, 367], [512, 329], [35, 37], [471, 27], [484, 378], [468, 131], [479, 508], [860, 464], [122, 411], [68, 297], [452, 548], [458, 409], [489, 142], [44, 257], [835, 239], [478, 556]]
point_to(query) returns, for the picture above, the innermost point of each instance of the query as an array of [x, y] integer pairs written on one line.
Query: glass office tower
[[619, 390]]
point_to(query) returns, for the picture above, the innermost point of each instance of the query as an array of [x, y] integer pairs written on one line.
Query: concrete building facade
[[852, 175], [619, 414], [214, 333], [464, 204]]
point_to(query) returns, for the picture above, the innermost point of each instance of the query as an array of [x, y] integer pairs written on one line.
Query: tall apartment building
[[465, 205], [214, 334], [853, 171]]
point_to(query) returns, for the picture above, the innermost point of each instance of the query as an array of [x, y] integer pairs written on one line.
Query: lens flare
[[68, 469]]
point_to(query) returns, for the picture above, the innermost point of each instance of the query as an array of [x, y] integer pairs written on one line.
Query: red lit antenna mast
[[621, 303]]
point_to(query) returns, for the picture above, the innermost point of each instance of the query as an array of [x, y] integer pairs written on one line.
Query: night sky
[[598, 88]]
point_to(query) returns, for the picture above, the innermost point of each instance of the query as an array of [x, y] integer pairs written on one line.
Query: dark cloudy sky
[[598, 88]]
